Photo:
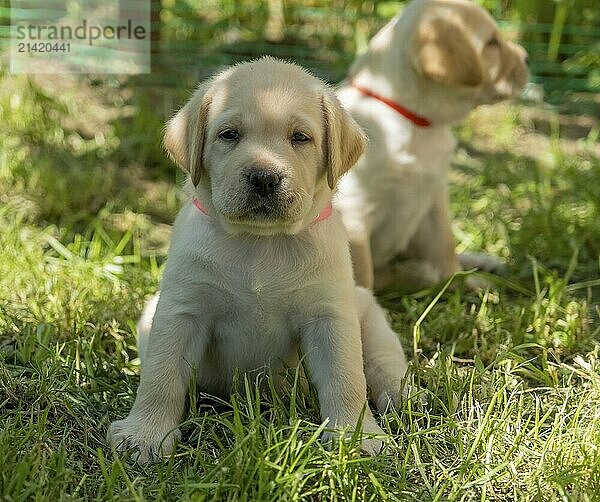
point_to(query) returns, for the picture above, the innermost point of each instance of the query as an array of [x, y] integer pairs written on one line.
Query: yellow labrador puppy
[[425, 70], [259, 266]]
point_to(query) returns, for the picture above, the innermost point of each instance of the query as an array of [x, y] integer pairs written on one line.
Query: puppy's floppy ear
[[442, 51], [344, 141], [184, 134]]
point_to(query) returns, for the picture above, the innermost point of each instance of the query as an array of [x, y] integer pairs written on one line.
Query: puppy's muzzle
[[263, 182], [265, 196]]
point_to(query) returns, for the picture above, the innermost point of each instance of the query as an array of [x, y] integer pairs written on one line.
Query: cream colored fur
[[439, 59], [255, 281]]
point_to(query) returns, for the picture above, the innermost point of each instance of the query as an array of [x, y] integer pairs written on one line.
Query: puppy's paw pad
[[147, 446]]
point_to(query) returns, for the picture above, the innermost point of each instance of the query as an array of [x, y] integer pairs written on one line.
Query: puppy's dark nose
[[264, 182]]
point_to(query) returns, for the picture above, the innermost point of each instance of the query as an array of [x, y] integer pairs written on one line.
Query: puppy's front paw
[[369, 445], [149, 443], [373, 446]]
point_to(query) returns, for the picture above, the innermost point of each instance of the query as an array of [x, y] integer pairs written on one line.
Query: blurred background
[[191, 39], [562, 37]]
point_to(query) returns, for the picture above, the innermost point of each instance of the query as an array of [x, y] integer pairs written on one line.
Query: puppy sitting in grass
[[425, 70], [259, 266]]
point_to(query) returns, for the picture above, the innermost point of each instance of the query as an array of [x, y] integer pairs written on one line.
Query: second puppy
[[425, 70], [259, 266]]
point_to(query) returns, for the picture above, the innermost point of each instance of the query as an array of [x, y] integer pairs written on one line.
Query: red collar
[[323, 215], [414, 118]]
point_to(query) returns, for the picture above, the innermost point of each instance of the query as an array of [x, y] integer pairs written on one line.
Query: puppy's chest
[[266, 270], [413, 173], [262, 297], [414, 176], [254, 288], [264, 281], [426, 153]]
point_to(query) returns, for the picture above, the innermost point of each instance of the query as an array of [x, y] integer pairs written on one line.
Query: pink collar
[[413, 117], [323, 215]]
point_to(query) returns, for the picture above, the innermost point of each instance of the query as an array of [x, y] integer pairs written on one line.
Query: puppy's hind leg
[[362, 263], [144, 325], [383, 358]]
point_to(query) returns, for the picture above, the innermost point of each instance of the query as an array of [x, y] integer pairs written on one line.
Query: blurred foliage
[[321, 35], [82, 156], [562, 37], [199, 36]]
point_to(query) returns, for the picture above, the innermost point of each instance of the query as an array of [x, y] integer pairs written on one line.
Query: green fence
[[562, 37], [196, 36]]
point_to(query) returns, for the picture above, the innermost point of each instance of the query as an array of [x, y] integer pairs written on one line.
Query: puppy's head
[[457, 44], [264, 144]]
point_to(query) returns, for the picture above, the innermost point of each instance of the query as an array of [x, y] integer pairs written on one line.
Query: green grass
[[512, 376]]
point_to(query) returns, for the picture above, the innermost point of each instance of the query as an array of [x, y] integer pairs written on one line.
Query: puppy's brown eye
[[229, 135], [493, 42], [300, 137]]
